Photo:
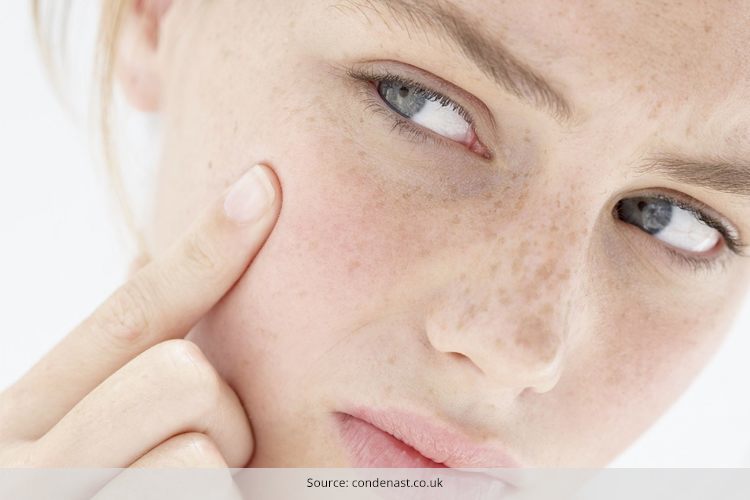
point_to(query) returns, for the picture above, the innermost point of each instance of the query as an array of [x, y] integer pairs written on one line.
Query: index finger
[[162, 301]]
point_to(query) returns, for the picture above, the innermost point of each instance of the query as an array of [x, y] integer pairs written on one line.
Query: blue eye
[[667, 222], [428, 109]]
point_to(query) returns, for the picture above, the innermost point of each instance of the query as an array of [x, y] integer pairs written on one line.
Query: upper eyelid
[[478, 110], [392, 77]]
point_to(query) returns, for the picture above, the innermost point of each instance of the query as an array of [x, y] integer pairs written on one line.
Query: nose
[[508, 317]]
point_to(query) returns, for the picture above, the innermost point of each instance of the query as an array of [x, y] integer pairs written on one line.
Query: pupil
[[650, 214], [401, 98]]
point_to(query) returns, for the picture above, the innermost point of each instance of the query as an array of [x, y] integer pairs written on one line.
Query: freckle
[[310, 119], [461, 323], [354, 265], [406, 195], [707, 28], [391, 360], [361, 154], [639, 88], [429, 196], [544, 272], [516, 266], [521, 202], [210, 165], [302, 293], [456, 219], [498, 204]]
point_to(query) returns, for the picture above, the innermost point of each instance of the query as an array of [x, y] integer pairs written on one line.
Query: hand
[[125, 388]]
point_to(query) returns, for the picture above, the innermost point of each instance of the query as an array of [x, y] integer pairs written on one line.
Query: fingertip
[[252, 196]]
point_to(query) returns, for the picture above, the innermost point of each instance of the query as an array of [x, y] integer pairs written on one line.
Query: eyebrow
[[722, 176], [490, 56]]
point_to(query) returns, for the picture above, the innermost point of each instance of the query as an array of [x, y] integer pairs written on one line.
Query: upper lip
[[435, 441]]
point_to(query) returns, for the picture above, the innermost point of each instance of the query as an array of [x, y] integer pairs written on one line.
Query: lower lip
[[370, 447]]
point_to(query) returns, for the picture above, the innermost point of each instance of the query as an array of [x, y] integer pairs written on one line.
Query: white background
[[61, 254]]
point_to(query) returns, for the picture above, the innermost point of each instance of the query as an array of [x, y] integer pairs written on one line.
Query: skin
[[567, 324], [502, 298]]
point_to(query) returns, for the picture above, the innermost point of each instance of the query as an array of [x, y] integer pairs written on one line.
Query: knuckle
[[198, 381], [126, 319], [202, 447], [201, 255]]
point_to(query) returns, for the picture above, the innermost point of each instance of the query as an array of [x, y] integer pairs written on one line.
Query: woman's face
[[540, 262]]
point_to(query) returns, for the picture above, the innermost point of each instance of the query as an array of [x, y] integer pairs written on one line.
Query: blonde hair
[[51, 18]]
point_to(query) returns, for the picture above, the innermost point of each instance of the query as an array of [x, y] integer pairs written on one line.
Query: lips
[[376, 438]]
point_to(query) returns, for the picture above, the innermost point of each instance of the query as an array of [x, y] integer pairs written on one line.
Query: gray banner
[[275, 484]]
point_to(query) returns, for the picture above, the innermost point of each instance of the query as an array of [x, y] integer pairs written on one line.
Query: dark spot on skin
[[501, 295], [210, 165], [544, 273], [456, 219], [521, 202], [707, 28], [406, 196], [354, 265], [537, 340]]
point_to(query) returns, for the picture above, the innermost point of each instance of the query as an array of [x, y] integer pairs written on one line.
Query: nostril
[[464, 359]]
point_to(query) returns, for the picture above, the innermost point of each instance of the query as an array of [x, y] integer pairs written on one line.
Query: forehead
[[685, 57]]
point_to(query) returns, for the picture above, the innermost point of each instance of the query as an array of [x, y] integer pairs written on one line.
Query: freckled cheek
[[345, 241]]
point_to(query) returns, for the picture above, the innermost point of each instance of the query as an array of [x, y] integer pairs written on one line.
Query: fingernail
[[250, 196]]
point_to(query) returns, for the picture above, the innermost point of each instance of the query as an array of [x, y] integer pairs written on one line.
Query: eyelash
[[696, 263], [414, 132]]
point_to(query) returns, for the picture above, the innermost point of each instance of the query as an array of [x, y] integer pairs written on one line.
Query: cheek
[[637, 345]]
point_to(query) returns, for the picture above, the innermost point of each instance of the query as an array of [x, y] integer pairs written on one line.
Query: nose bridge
[[508, 313]]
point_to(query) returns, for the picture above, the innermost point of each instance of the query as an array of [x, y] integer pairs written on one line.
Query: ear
[[136, 60]]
